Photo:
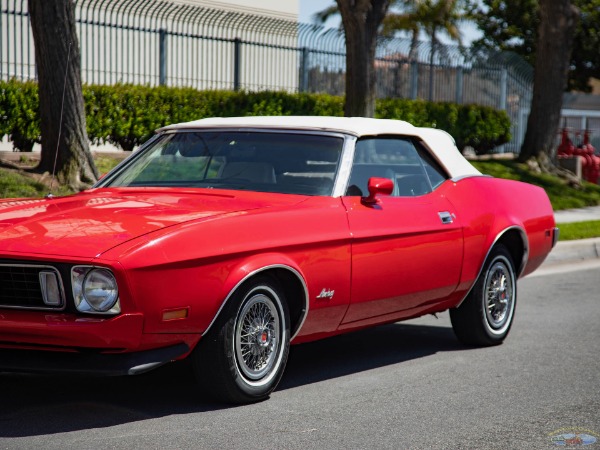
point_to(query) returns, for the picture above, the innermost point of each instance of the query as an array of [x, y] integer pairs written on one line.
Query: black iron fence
[[159, 42]]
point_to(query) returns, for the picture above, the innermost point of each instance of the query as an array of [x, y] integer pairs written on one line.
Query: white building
[[279, 9], [205, 44]]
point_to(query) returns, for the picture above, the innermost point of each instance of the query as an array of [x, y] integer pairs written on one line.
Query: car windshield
[[288, 163]]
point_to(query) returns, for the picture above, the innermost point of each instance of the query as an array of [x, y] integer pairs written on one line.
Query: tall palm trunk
[[431, 61]]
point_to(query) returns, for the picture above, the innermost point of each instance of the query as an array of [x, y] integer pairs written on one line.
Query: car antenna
[[62, 107]]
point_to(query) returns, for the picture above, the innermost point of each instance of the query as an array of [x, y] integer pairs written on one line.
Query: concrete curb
[[574, 251]]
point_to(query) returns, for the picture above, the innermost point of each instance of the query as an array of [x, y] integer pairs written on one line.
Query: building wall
[[281, 9], [180, 43]]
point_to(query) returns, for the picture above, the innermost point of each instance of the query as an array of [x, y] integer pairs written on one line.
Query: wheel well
[[295, 295], [514, 241]]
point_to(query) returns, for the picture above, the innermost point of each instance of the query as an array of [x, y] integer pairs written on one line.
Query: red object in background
[[566, 147], [590, 162], [594, 160]]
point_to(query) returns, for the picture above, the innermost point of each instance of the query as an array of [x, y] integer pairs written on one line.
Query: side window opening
[[434, 171], [408, 164]]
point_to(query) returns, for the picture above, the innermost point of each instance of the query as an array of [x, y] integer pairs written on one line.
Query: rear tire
[[486, 315], [242, 358]]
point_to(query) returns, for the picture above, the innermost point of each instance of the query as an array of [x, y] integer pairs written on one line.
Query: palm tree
[[416, 16], [408, 20], [436, 16], [431, 17]]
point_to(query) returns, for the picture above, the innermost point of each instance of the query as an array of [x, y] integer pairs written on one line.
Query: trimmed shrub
[[19, 113], [480, 127], [128, 115]]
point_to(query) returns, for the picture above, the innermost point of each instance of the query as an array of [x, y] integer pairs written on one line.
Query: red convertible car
[[225, 240]]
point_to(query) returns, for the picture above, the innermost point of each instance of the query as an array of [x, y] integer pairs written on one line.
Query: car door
[[407, 248]]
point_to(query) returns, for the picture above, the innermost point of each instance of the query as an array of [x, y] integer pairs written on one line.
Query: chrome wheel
[[499, 295], [242, 358], [486, 315], [258, 336]]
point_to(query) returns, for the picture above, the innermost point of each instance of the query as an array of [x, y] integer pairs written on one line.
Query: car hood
[[88, 224]]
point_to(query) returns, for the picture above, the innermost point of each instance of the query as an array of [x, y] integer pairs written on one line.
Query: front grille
[[20, 287]]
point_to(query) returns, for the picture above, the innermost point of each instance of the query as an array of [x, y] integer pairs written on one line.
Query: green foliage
[[426, 16], [106, 163], [579, 230], [585, 58], [480, 127], [127, 115], [412, 111], [14, 184], [19, 117], [508, 25], [512, 25]]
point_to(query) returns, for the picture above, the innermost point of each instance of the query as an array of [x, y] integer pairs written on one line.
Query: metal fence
[[159, 42]]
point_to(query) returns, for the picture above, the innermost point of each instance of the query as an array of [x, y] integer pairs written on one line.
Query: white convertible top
[[440, 142]]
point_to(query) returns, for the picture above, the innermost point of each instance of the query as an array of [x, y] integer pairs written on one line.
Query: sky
[[306, 9]]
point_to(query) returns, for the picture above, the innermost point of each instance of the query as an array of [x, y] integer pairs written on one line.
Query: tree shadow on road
[[36, 405]]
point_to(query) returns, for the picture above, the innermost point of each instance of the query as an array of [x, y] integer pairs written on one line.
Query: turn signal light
[[174, 314]]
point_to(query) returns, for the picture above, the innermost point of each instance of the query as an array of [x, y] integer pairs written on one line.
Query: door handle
[[446, 217]]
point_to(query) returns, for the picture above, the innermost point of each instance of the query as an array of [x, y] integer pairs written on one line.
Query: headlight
[[95, 290]]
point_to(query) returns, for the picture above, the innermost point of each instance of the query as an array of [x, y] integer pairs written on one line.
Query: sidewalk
[[579, 250], [577, 215]]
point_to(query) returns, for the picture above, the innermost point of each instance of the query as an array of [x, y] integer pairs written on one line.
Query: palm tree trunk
[[431, 60], [414, 45]]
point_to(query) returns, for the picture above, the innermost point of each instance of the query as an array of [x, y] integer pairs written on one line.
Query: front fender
[[252, 266]]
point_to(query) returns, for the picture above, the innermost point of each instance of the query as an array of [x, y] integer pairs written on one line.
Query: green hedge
[[127, 115], [480, 127], [19, 113]]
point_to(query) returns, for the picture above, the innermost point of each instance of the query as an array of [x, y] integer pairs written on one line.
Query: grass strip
[[579, 230]]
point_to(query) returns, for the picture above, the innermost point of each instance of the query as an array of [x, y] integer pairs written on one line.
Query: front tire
[[242, 358], [486, 315]]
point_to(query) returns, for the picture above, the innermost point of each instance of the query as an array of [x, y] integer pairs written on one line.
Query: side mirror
[[378, 186]]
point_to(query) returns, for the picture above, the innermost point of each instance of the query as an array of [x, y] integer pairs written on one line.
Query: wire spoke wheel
[[243, 357], [486, 315], [257, 337], [499, 295]]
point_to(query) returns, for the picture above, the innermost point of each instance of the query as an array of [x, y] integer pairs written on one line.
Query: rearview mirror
[[378, 186]]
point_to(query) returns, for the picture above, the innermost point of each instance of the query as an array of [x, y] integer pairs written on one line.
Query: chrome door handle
[[446, 217]]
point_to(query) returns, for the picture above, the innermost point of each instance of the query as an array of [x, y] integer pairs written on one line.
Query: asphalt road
[[407, 385]]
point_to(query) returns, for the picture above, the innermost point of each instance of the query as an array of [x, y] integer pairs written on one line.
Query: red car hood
[[88, 224]]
